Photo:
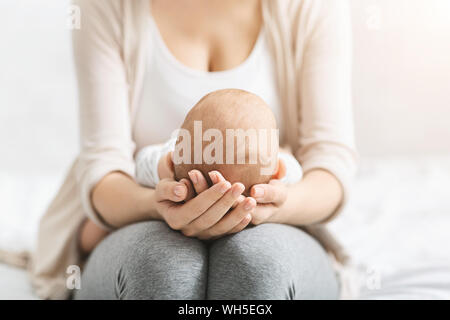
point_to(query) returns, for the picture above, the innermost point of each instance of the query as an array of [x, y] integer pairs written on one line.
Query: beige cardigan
[[311, 44]]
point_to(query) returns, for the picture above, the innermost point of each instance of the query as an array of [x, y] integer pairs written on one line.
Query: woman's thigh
[[270, 261], [145, 260]]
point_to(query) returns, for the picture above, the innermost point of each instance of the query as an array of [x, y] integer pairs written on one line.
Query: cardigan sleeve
[[104, 113], [326, 127]]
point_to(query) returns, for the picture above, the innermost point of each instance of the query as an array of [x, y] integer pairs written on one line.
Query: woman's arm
[[123, 200], [326, 147], [120, 200], [106, 142], [143, 208], [312, 200], [326, 140], [317, 196]]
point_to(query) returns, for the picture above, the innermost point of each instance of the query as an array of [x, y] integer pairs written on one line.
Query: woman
[[141, 65]]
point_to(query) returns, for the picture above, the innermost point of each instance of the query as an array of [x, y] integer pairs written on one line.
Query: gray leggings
[[148, 260]]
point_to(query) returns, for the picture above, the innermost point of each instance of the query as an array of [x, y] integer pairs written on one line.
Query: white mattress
[[14, 284], [396, 228]]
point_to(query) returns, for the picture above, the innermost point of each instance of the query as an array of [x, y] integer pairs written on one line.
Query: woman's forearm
[[312, 200], [121, 201]]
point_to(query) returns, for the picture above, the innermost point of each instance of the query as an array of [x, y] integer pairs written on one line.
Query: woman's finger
[[238, 201], [242, 225], [169, 189], [215, 176], [198, 181], [216, 211], [233, 221], [274, 192], [237, 219], [202, 202], [262, 213], [190, 189]]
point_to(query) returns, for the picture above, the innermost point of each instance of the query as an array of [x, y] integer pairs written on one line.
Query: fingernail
[[248, 217], [213, 176], [225, 186], [178, 190], [248, 205], [193, 175], [237, 190], [258, 192]]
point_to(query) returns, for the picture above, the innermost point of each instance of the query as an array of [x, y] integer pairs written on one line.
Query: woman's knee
[[148, 260], [270, 261]]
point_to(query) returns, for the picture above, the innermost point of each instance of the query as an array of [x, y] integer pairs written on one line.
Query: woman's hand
[[270, 197], [309, 201], [205, 215]]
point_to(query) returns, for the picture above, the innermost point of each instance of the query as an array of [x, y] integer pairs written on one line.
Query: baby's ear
[[280, 171]]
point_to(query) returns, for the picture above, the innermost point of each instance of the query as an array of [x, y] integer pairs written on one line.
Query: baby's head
[[231, 131]]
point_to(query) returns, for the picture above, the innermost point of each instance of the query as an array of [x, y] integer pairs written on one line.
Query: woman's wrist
[[146, 202], [290, 207], [311, 200], [121, 201]]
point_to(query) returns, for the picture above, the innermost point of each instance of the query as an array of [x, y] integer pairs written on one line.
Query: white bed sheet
[[14, 284], [396, 227]]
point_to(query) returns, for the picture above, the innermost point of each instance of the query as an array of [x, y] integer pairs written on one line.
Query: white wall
[[402, 76], [38, 115]]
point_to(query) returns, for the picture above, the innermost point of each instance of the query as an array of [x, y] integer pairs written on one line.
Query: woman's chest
[[208, 35], [171, 89]]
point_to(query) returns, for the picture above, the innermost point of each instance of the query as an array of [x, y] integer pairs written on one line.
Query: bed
[[396, 228]]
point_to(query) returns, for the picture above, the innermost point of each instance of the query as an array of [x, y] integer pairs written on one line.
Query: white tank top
[[171, 88]]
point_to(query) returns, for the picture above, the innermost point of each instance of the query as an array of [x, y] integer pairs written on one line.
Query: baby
[[231, 131]]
